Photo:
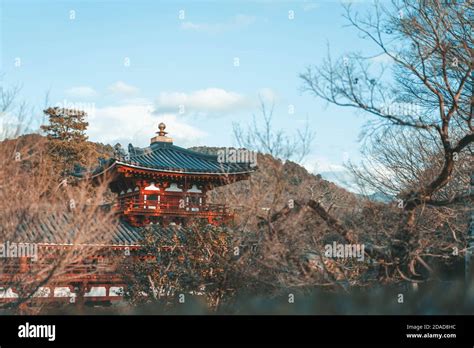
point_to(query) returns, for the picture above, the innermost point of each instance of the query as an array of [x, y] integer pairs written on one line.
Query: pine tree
[[67, 141]]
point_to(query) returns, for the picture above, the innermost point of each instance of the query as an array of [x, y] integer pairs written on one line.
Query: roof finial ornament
[[161, 135], [161, 128]]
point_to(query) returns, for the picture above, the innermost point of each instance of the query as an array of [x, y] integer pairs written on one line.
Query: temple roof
[[61, 229], [168, 157], [163, 156], [58, 229]]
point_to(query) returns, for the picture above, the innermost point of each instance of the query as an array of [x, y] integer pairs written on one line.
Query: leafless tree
[[422, 123], [277, 143], [64, 220], [286, 215]]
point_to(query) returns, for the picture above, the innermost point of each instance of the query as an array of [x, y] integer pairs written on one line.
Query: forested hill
[[297, 182]]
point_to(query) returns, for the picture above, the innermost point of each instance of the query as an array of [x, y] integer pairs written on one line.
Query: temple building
[[165, 183], [162, 184]]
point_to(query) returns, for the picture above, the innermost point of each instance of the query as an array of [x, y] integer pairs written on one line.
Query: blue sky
[[133, 64]]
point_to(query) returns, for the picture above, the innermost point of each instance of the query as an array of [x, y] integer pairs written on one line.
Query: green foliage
[[67, 141]]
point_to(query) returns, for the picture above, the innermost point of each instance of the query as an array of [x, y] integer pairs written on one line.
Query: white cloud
[[343, 179], [81, 92], [210, 100], [318, 164], [137, 123], [237, 22], [331, 171], [122, 88]]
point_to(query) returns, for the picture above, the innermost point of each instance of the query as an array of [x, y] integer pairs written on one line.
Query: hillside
[[275, 184], [295, 176]]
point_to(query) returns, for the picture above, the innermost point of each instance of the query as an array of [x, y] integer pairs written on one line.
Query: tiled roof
[[58, 230], [167, 157], [171, 157], [61, 229]]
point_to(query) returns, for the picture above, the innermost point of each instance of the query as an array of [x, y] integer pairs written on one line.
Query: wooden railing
[[134, 205]]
